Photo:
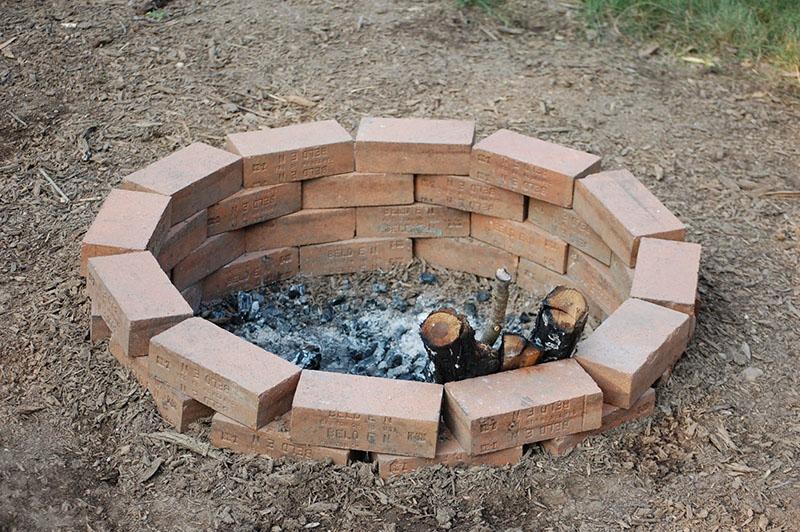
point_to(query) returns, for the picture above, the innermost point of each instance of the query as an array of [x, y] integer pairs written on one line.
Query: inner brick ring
[[307, 199]]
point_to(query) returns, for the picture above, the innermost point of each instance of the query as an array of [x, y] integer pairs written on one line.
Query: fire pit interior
[[324, 298]]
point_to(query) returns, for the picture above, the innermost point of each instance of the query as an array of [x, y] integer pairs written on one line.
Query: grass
[[748, 29]]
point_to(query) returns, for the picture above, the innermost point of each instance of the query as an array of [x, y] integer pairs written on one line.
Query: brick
[[632, 348], [358, 190], [134, 297], [252, 270], [137, 366], [252, 205], [414, 145], [448, 452], [127, 221], [465, 255], [211, 255], [193, 294], [418, 220], [530, 166], [622, 211], [175, 407], [523, 239], [666, 273], [270, 440], [520, 406], [366, 413], [303, 228], [622, 276], [596, 281], [182, 239], [467, 194], [293, 153], [569, 227], [613, 417], [223, 371], [195, 177], [98, 329], [356, 255]]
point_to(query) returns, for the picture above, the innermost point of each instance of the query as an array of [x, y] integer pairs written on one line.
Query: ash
[[363, 324]]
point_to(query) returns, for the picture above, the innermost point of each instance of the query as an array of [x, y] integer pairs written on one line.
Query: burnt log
[[516, 352], [451, 345], [559, 324]]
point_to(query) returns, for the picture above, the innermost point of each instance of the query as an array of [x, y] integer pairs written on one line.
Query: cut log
[[456, 355], [559, 324], [499, 304], [516, 352]]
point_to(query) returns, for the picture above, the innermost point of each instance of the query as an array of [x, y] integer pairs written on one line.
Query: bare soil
[[91, 92]]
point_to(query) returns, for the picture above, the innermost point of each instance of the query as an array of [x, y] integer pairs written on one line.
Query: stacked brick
[[309, 199]]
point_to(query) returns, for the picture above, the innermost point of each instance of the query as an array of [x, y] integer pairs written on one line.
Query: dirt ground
[[89, 93]]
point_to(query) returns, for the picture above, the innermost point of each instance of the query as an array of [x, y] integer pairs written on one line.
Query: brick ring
[[308, 199]]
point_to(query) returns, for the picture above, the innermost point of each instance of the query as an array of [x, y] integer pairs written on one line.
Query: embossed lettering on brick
[[419, 220], [569, 227], [523, 239], [467, 194], [356, 255], [252, 270], [252, 205]]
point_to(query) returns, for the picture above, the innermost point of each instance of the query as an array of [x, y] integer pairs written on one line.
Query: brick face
[[596, 280], [356, 255], [252, 205], [215, 252], [358, 190], [135, 299], [195, 177], [530, 166], [270, 440], [127, 221], [511, 408], [414, 145], [622, 211], [303, 228], [182, 239], [467, 194], [523, 239], [666, 273], [224, 372], [413, 221], [448, 452], [175, 407], [366, 413], [569, 227], [293, 153], [632, 348], [466, 255], [251, 271]]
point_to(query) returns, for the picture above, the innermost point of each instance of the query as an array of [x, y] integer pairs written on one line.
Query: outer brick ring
[[308, 199]]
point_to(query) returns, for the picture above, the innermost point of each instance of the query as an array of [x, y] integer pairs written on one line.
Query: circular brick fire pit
[[309, 200]]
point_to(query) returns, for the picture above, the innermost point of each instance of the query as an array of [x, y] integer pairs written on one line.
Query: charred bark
[[559, 324]]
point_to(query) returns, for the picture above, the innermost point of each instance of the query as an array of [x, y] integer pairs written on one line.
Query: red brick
[[182, 239], [414, 145], [523, 239], [98, 330], [135, 298], [569, 227], [303, 228], [448, 452], [632, 348], [175, 407], [252, 270], [195, 177], [293, 153], [613, 417], [467, 194], [666, 273], [211, 255], [270, 440], [465, 255], [127, 221], [358, 190], [621, 210], [366, 413], [223, 372], [193, 294], [137, 366], [357, 255], [530, 166], [520, 406], [596, 281], [414, 221], [252, 205]]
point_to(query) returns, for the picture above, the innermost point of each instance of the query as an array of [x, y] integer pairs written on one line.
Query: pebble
[[379, 288], [427, 278], [751, 374], [483, 296]]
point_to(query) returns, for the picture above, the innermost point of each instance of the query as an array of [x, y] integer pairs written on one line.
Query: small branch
[[499, 306], [62, 197]]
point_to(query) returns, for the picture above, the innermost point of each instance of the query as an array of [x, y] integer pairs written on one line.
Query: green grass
[[747, 29]]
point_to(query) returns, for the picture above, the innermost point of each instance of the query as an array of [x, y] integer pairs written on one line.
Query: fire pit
[[205, 270]]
